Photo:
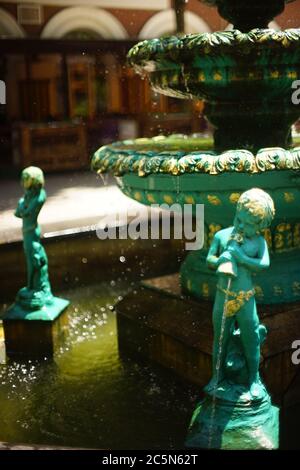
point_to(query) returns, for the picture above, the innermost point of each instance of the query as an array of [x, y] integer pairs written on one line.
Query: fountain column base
[[35, 333], [234, 424], [280, 285]]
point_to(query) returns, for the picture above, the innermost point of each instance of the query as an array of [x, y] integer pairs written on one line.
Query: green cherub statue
[[237, 411], [35, 301], [38, 291], [236, 253]]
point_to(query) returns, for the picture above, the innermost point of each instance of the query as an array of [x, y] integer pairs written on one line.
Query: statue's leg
[[27, 243], [249, 326], [31, 237]]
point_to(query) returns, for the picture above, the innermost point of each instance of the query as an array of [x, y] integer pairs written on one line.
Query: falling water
[[104, 179], [218, 366], [177, 187]]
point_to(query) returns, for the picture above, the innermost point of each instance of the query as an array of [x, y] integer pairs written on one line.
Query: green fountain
[[245, 77]]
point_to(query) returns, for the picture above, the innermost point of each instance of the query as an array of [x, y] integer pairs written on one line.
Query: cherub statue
[[38, 291], [236, 253]]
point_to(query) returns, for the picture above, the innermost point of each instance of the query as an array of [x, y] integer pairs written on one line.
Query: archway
[[101, 22], [9, 26]]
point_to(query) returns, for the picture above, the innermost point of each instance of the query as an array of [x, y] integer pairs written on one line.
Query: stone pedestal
[[37, 333]]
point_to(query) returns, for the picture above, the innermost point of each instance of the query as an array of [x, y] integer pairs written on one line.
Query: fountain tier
[[154, 171], [245, 80]]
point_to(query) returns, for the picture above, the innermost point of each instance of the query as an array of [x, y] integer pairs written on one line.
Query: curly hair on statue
[[32, 177], [259, 205]]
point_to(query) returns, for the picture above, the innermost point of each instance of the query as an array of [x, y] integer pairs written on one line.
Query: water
[[89, 397], [218, 366], [104, 179]]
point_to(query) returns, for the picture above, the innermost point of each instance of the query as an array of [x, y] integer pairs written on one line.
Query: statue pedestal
[[35, 333], [232, 421]]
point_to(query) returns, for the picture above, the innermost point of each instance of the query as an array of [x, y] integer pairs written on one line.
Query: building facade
[[68, 89]]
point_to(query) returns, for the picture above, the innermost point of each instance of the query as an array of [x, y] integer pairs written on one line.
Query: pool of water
[[88, 396]]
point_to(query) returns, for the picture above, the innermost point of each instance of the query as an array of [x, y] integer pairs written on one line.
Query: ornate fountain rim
[[218, 42], [132, 156]]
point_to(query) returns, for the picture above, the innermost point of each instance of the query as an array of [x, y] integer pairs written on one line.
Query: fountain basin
[[87, 396], [225, 65], [245, 79], [154, 171]]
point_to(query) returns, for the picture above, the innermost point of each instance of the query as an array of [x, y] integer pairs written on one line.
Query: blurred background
[[68, 88]]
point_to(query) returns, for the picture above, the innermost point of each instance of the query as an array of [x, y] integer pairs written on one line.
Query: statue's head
[[32, 177], [254, 212]]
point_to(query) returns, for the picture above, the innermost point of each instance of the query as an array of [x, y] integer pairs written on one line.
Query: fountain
[[32, 324], [245, 77], [246, 82]]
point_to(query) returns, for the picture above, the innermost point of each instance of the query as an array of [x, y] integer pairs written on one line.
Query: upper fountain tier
[[245, 80], [248, 14]]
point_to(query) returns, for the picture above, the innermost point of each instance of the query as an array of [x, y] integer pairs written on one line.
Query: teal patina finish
[[35, 301], [237, 412], [245, 78]]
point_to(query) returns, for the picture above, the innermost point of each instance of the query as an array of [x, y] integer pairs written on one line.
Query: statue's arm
[[261, 262], [212, 259], [35, 204], [20, 208]]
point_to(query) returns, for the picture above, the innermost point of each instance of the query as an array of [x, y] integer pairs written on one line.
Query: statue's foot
[[30, 299], [24, 293]]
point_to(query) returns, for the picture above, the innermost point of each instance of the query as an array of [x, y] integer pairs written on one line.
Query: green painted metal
[[48, 312], [237, 411], [219, 194], [182, 154], [245, 79], [236, 426], [35, 301], [246, 82]]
